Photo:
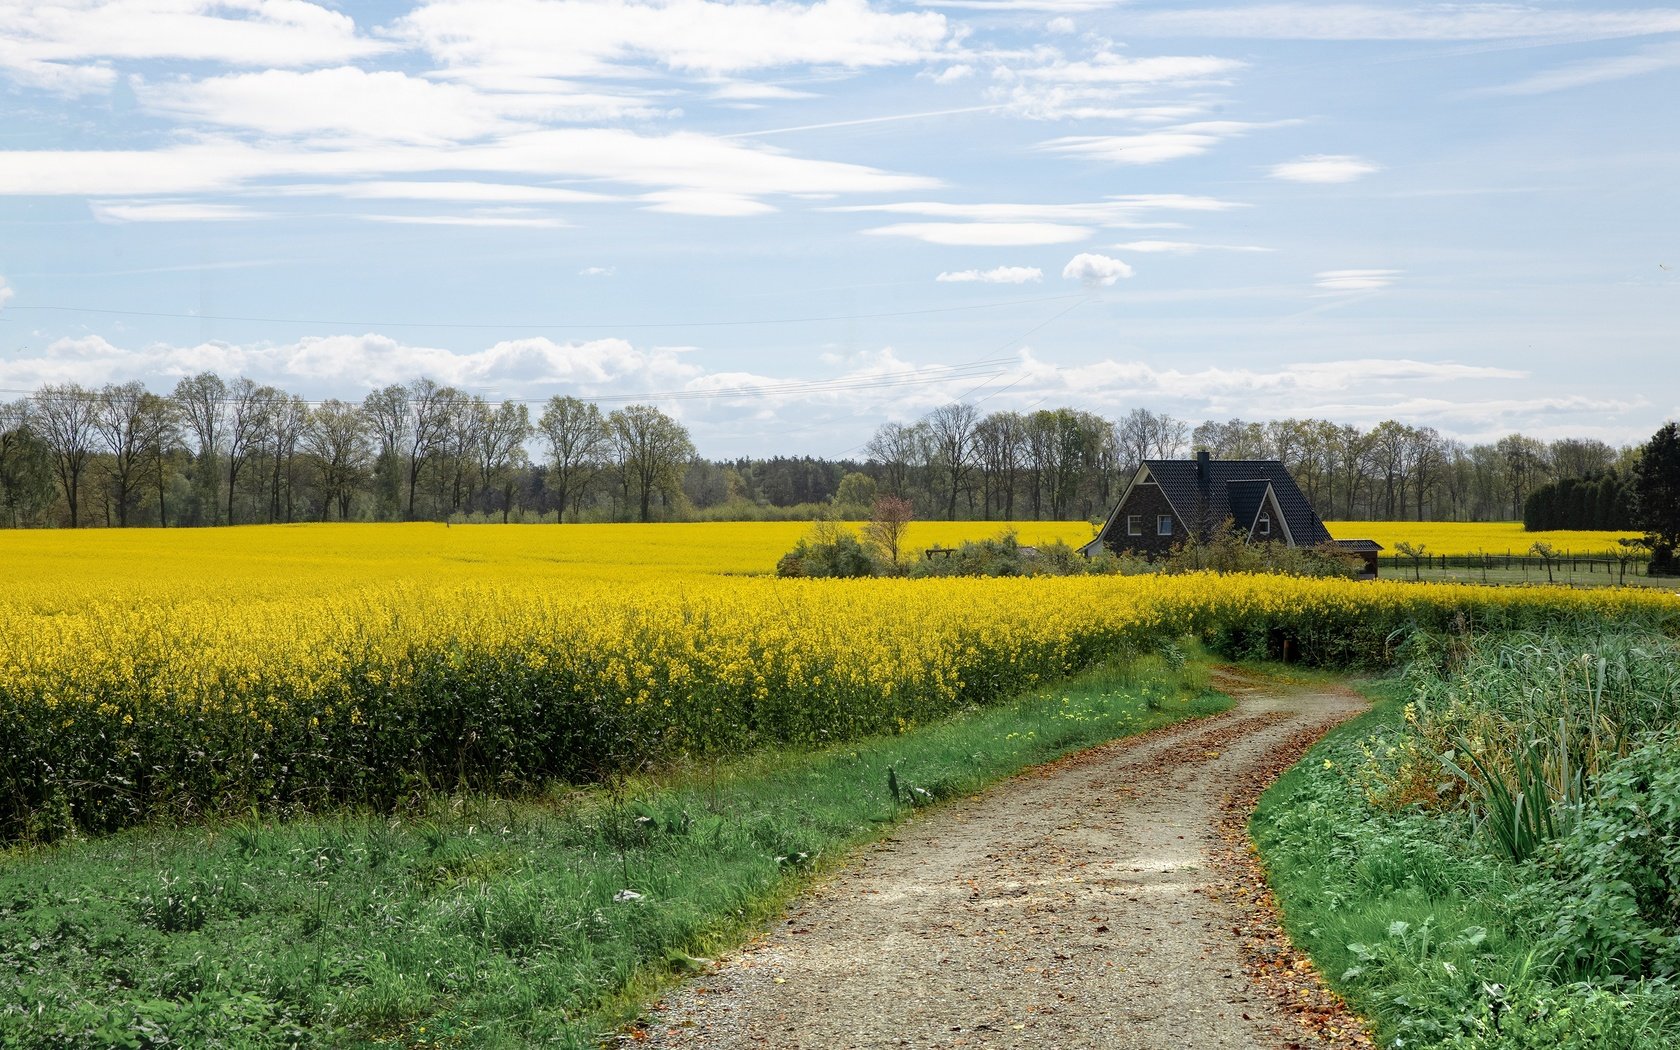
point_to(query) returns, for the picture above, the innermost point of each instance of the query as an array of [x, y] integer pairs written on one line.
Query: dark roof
[[1246, 498], [1231, 488], [1357, 546]]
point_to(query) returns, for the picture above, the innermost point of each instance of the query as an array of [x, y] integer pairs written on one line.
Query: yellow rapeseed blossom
[[289, 667]]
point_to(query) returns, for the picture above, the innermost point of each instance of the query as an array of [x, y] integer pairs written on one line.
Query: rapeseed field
[[1475, 537], [282, 669]]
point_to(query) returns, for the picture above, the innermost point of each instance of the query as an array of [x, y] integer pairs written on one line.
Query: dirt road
[[1088, 903]]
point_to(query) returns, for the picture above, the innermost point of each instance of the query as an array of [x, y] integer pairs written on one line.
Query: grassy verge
[[1439, 936], [484, 922]]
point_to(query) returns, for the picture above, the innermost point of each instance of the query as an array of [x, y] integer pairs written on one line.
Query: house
[[1170, 500]]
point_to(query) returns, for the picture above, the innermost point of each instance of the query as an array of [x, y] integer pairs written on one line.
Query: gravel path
[[1077, 905]]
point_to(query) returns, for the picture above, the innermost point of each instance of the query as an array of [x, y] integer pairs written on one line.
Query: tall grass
[[1526, 723]]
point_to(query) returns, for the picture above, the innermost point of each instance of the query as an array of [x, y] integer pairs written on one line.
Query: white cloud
[[1107, 67], [1474, 21], [1124, 210], [1356, 280], [1061, 26], [985, 234], [952, 74], [1071, 6], [1045, 84], [746, 91], [1324, 167], [597, 271], [1652, 59], [1183, 247], [683, 161], [1153, 147], [68, 45], [1095, 270], [355, 104], [572, 38], [1029, 224], [171, 211], [706, 202], [738, 412], [350, 365], [512, 219], [996, 275], [429, 190], [6, 293]]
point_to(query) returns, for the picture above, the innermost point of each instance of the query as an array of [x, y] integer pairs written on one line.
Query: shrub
[[828, 552], [1614, 896]]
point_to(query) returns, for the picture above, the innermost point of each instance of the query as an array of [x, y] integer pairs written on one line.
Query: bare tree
[[161, 438], [120, 419], [388, 417], [951, 428], [65, 414], [431, 410], [338, 438], [578, 440], [1000, 450], [889, 520], [202, 400], [286, 416], [1525, 465], [1425, 452], [500, 449], [247, 418], [1142, 434], [1580, 457], [896, 449]]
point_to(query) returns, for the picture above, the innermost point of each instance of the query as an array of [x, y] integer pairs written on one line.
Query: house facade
[[1169, 501]]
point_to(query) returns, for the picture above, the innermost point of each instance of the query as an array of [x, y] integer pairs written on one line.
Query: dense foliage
[[1656, 484], [1600, 502], [1494, 858]]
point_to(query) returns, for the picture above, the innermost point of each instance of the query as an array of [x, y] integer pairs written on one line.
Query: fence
[[1563, 563]]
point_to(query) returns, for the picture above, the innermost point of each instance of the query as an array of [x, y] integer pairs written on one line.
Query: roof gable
[[1235, 489]]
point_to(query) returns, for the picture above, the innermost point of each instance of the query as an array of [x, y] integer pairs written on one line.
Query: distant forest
[[217, 452]]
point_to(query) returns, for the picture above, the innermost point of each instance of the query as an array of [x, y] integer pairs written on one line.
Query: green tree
[[26, 469], [1656, 486], [577, 440], [652, 451], [856, 490]]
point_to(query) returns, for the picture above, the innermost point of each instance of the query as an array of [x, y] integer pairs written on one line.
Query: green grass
[[1440, 939], [483, 922]]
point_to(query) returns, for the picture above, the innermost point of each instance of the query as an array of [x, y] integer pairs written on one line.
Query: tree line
[[218, 452]]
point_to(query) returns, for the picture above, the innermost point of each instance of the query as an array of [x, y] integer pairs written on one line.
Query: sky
[[786, 223]]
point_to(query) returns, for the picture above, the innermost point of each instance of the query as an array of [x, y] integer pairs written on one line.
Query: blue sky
[[788, 222]]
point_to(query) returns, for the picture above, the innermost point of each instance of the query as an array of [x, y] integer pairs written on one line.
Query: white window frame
[[1163, 525], [1134, 525], [1263, 527]]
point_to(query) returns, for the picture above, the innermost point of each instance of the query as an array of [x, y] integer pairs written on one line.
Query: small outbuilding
[[1169, 501]]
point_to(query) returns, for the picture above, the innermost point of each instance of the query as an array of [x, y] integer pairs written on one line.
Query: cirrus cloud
[[1324, 167], [1356, 280], [996, 275]]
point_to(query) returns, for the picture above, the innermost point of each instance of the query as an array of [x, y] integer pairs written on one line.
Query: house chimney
[[1202, 465]]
